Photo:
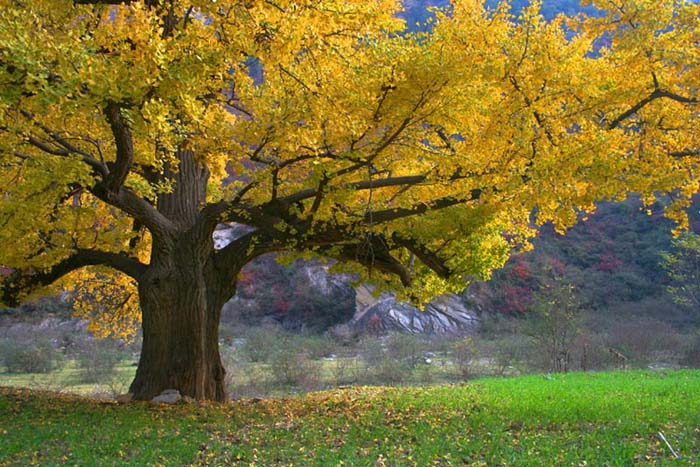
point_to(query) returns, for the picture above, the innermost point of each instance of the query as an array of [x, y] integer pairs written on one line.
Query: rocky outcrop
[[304, 296], [447, 314]]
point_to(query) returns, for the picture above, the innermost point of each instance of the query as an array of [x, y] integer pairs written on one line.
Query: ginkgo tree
[[130, 129]]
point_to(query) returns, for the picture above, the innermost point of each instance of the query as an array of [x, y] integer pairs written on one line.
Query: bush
[[645, 340], [389, 371], [261, 344], [372, 350], [319, 346], [553, 326], [691, 351], [465, 354], [510, 354], [97, 362], [293, 367], [347, 369], [36, 357], [96, 359], [227, 334], [590, 352], [408, 348]]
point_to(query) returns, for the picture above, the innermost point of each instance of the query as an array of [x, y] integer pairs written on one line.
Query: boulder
[[169, 396]]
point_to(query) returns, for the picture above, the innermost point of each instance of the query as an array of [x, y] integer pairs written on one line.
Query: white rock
[[169, 396]]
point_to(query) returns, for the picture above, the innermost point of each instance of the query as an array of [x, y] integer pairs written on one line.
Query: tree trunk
[[182, 294], [180, 338]]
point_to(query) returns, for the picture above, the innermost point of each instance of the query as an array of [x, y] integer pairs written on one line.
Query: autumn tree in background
[[682, 265], [131, 129]]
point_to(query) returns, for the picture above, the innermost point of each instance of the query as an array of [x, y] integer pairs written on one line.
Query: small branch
[[686, 153], [295, 78], [385, 93], [64, 148], [656, 94], [668, 445], [379, 259], [388, 215], [320, 191]]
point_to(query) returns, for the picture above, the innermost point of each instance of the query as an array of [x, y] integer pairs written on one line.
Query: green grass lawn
[[594, 419], [68, 379]]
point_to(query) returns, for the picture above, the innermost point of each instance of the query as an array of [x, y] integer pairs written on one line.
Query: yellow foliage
[[500, 123], [108, 300]]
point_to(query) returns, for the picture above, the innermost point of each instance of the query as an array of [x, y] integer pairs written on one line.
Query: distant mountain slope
[[612, 258], [417, 13]]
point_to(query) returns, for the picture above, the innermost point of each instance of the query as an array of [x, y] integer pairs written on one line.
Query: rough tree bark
[[181, 296], [180, 323]]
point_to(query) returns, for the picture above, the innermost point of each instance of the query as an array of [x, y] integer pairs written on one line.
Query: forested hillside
[[614, 257]]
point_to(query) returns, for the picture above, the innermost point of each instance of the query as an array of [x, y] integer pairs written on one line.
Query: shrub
[[465, 354], [553, 326], [261, 343], [293, 367], [408, 348], [510, 353], [36, 357], [97, 362], [691, 351], [227, 333], [389, 371], [319, 346], [645, 340], [372, 350], [347, 369], [590, 352]]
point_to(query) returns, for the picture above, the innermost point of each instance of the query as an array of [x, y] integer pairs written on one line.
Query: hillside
[[613, 257]]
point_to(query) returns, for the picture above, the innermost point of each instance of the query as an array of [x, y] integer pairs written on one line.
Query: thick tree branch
[[137, 207], [372, 253], [125, 147], [20, 282], [408, 180], [102, 2], [229, 261], [427, 257], [388, 215]]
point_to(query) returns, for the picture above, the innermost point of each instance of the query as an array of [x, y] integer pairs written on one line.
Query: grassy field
[[594, 419]]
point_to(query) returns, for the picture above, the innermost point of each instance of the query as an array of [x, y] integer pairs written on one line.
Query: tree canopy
[[131, 128]]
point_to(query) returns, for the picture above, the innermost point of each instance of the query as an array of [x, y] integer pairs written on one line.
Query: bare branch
[[656, 94], [64, 148], [686, 153], [388, 215]]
